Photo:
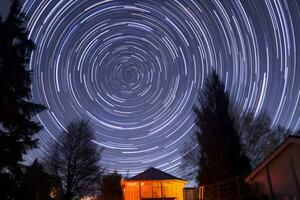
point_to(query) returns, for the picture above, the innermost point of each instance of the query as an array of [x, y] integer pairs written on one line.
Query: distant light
[[87, 198]]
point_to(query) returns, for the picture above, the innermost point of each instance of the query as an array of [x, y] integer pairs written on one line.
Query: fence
[[231, 189]]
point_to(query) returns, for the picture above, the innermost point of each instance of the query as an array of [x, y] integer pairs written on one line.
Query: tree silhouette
[[220, 155], [258, 138], [74, 161], [37, 184], [16, 127], [111, 187]]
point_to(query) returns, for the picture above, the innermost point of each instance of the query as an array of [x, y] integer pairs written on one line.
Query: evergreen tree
[[16, 127], [220, 153]]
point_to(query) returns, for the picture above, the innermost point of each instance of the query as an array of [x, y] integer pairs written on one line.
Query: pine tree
[[220, 153], [16, 127]]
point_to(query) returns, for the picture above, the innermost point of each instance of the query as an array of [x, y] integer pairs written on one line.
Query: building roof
[[289, 140], [153, 174]]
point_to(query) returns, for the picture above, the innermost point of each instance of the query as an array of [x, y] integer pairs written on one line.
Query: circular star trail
[[134, 68]]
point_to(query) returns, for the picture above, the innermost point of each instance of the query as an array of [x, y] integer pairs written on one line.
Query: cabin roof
[[153, 174]]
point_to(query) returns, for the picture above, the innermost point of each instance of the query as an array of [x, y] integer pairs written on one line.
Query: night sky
[[134, 68]]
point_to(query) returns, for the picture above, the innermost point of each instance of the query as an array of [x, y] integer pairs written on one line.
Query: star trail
[[134, 68]]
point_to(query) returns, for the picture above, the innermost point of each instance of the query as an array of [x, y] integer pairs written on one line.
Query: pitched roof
[[289, 140], [153, 174]]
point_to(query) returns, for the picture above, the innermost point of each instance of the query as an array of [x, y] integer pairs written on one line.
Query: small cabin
[[153, 184]]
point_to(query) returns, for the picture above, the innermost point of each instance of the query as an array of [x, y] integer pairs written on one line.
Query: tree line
[[228, 142]]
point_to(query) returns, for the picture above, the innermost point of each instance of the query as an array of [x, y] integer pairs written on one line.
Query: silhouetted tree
[[253, 131], [74, 161], [111, 187], [274, 139], [190, 153], [258, 138], [220, 153], [37, 184], [16, 127]]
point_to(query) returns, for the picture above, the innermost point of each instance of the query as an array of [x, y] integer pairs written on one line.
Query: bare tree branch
[[75, 161]]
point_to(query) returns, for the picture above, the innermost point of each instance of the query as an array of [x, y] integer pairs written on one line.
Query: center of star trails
[[128, 76]]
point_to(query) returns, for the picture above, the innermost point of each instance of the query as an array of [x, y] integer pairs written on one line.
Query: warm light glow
[[201, 192], [87, 198], [131, 184], [53, 193], [136, 190]]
